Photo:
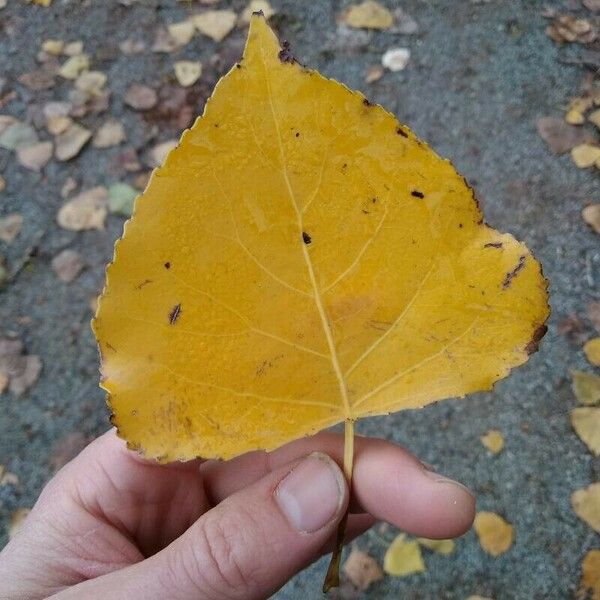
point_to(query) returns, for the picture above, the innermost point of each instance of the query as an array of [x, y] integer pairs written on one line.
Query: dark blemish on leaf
[[306, 238], [238, 66], [417, 194], [297, 134], [145, 282], [493, 245], [365, 212], [216, 125], [534, 344], [174, 314], [258, 13], [401, 132], [110, 347], [512, 274], [167, 265], [366, 102], [460, 225], [285, 56], [112, 419], [374, 200]]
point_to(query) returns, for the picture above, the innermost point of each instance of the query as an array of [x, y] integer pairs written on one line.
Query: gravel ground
[[479, 76]]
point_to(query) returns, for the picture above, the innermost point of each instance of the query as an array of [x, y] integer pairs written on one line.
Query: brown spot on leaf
[[366, 102], [493, 245], [401, 132], [145, 282], [534, 344], [167, 265], [417, 194], [306, 238], [284, 54], [174, 314], [512, 274]]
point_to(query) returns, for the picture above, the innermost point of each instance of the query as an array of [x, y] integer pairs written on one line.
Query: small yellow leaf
[[591, 215], [439, 546], [586, 504], [215, 24], [403, 558], [586, 387], [368, 15], [53, 47], [182, 32], [574, 117], [594, 118], [255, 6], [586, 422], [187, 72], [493, 441], [74, 66], [362, 569], [496, 536], [585, 155], [590, 576], [332, 257], [592, 351]]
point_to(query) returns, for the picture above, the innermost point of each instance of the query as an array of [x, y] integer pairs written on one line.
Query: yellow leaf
[[439, 546], [585, 155], [586, 504], [590, 576], [299, 260], [182, 32], [187, 72], [592, 351], [493, 441], [574, 117], [496, 536], [362, 569], [215, 24], [403, 558], [586, 422], [586, 387], [368, 15], [74, 66]]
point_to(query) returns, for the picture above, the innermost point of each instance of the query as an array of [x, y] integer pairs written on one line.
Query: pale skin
[[112, 525]]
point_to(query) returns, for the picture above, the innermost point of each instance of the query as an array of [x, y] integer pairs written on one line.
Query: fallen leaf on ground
[[257, 6], [590, 568], [57, 116], [74, 66], [585, 155], [493, 441], [496, 536], [403, 557], [567, 28], [141, 180], [586, 423], [6, 121], [36, 156], [111, 133], [592, 351], [70, 142], [159, 153], [362, 569], [67, 264], [574, 117], [10, 226], [215, 24], [292, 370], [121, 197], [17, 518], [368, 15], [140, 97], [591, 215], [187, 72], [593, 313], [91, 82], [439, 546], [85, 211], [16, 135], [594, 118], [374, 73], [53, 47], [182, 32], [74, 48], [3, 376], [586, 504], [560, 136], [395, 59], [2, 183], [8, 478], [21, 369], [38, 80], [586, 387]]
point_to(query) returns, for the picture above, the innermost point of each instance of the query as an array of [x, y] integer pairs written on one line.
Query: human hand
[[112, 525]]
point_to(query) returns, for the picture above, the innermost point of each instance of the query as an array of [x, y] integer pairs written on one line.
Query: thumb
[[246, 547]]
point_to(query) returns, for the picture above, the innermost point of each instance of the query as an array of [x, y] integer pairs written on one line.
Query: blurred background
[[92, 96]]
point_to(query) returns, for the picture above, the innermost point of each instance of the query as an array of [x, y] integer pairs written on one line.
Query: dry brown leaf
[[38, 80], [2, 183], [586, 423], [496, 536], [140, 97], [3, 376], [110, 133], [187, 72], [590, 568], [493, 441], [36, 156], [86, 211], [16, 521], [70, 143], [74, 66], [586, 387], [182, 32], [10, 226], [368, 15], [592, 351], [567, 28], [362, 569], [439, 546], [215, 24], [67, 264], [403, 557], [256, 6], [395, 59], [591, 215], [586, 504], [158, 154], [593, 313], [585, 155], [21, 370]]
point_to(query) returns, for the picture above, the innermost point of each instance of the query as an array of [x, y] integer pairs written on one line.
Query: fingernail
[[430, 472], [312, 494]]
